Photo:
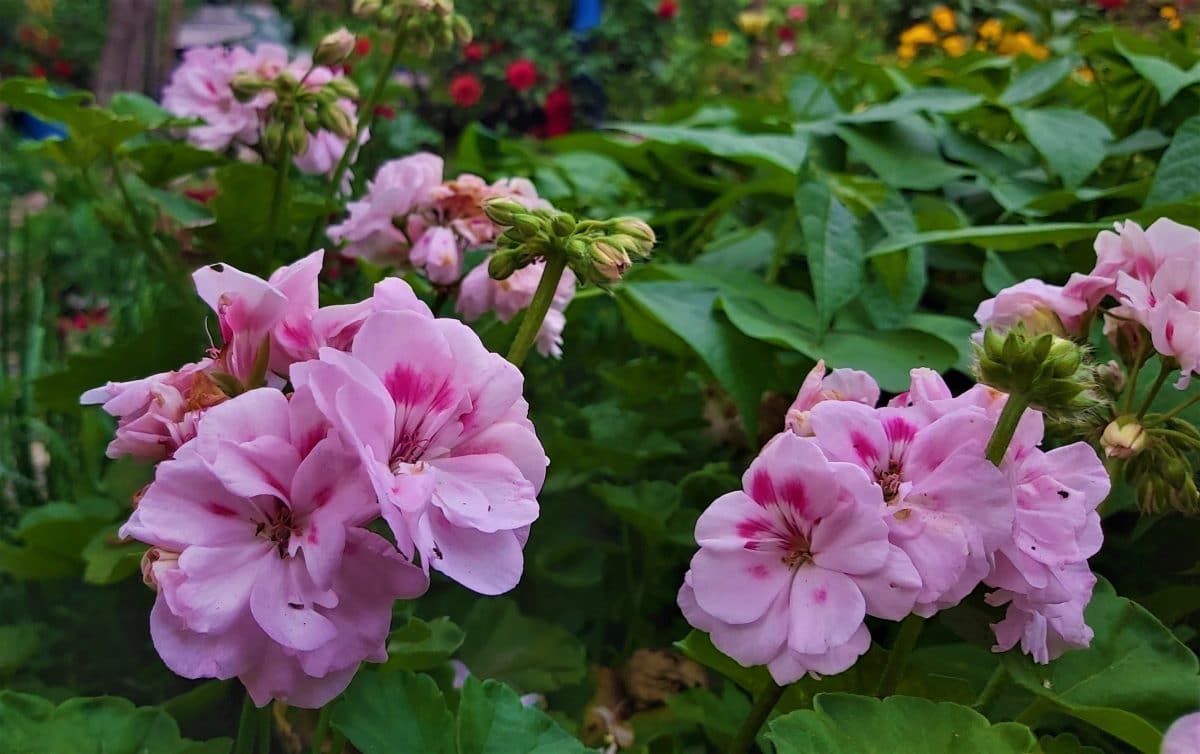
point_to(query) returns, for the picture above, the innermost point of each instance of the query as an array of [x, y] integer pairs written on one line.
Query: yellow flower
[[991, 29], [955, 45], [1021, 42], [1085, 74], [1039, 52], [40, 7], [906, 52], [719, 38], [943, 18], [920, 34], [753, 22], [1169, 12]]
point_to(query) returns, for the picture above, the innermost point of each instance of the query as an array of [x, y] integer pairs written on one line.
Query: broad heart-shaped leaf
[[529, 654], [418, 645], [492, 720], [1175, 180], [850, 724], [1037, 80], [387, 712], [100, 725], [1072, 142], [1133, 681], [787, 151], [1168, 78], [834, 249], [686, 310]]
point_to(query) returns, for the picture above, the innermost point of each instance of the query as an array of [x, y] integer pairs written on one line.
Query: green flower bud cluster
[[1162, 472], [298, 111], [424, 25], [1051, 373], [597, 251]]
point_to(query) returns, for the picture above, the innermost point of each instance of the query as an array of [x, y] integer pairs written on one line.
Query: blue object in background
[[32, 127], [586, 15]]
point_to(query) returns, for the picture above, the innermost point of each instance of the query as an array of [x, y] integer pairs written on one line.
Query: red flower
[[201, 194], [26, 34], [387, 112], [668, 9], [52, 45], [362, 46], [465, 89], [1111, 4], [473, 52], [37, 71], [786, 34], [345, 68], [61, 68], [559, 110], [521, 74]]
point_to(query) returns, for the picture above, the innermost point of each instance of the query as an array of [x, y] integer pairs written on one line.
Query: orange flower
[[991, 29], [1085, 74], [720, 38], [943, 18], [919, 34], [955, 45], [906, 52]]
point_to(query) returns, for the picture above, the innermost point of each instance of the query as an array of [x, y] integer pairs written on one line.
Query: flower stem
[[277, 196], [542, 298], [1006, 427], [766, 701], [1163, 372], [906, 641], [366, 121], [264, 730], [156, 253], [993, 688], [1178, 409], [322, 729], [246, 732]]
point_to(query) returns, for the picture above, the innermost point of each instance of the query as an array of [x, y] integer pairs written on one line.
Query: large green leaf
[[700, 648], [834, 249], [101, 725], [527, 653], [998, 237], [1038, 80], [161, 161], [1168, 78], [903, 153], [421, 645], [1176, 179], [1072, 142], [53, 537], [1064, 744], [849, 724], [925, 100], [383, 713], [492, 720], [782, 150], [651, 508], [1134, 680]]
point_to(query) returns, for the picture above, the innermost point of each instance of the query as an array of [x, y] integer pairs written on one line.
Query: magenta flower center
[[797, 551], [890, 479], [408, 449], [278, 528]]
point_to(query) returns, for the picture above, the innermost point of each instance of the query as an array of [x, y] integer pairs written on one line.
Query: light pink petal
[[851, 432], [484, 492], [188, 504], [216, 586], [790, 666], [726, 523], [278, 676], [195, 655], [852, 539], [891, 591], [738, 586], [516, 442], [792, 473], [482, 562], [750, 644], [284, 603], [832, 608]]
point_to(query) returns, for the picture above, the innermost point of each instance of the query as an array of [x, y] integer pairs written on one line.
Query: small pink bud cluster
[[229, 89], [279, 452], [858, 511]]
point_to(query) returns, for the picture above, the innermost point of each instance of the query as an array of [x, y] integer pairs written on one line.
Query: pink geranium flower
[[271, 576], [399, 188], [948, 507], [480, 293], [1045, 625], [789, 567], [440, 424], [838, 385], [1183, 737], [1038, 306], [200, 88]]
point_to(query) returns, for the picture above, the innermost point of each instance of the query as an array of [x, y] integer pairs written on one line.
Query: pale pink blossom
[[838, 385], [1037, 306], [1141, 253], [1183, 737], [789, 567], [200, 88], [277, 580], [159, 413], [480, 293], [438, 254], [399, 188], [948, 507], [441, 427], [1046, 627]]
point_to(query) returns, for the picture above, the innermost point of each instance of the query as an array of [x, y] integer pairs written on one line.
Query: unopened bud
[[297, 137], [610, 261], [562, 224], [246, 86], [502, 211], [272, 138], [337, 120], [1046, 370], [343, 88], [638, 229], [503, 264], [367, 8], [154, 562], [1111, 377], [286, 82], [1064, 357], [334, 47], [1123, 437]]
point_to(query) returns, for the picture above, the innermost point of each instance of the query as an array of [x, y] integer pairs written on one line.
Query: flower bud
[[1123, 437], [296, 136], [562, 224], [286, 82], [154, 562], [1111, 377], [610, 261], [246, 86], [638, 229], [343, 88], [334, 47], [336, 120], [272, 138], [502, 211], [367, 8], [503, 264], [1046, 370]]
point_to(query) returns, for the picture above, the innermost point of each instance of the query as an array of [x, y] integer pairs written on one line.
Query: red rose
[[37, 71], [473, 52], [668, 9], [521, 74], [362, 46], [61, 68], [786, 34], [559, 110], [465, 89]]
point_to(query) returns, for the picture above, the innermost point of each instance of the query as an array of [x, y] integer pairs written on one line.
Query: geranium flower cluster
[[857, 510], [1152, 275], [278, 451], [412, 217], [203, 87]]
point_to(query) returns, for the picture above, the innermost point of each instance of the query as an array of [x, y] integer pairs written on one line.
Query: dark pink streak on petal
[[793, 493], [899, 430], [820, 595], [862, 447], [752, 529], [322, 497], [762, 490], [220, 510], [312, 533], [759, 571]]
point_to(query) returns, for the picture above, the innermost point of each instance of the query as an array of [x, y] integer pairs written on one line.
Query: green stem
[[1187, 440], [766, 701], [282, 168], [906, 641], [993, 688], [264, 730], [781, 247], [1134, 371], [322, 729], [1178, 409], [337, 744], [1163, 372], [1006, 427], [542, 298], [150, 245], [366, 121], [244, 743]]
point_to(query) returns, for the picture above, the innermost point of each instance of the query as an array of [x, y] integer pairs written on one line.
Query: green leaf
[[1064, 743], [384, 713], [1175, 180], [529, 654], [903, 153], [1038, 80], [927, 100], [649, 507], [107, 559], [834, 250], [145, 111], [492, 720], [781, 150], [418, 645], [849, 724], [160, 161], [699, 647], [810, 99], [99, 725], [1072, 142], [53, 537], [998, 237], [1168, 78], [17, 644], [1134, 680], [720, 717]]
